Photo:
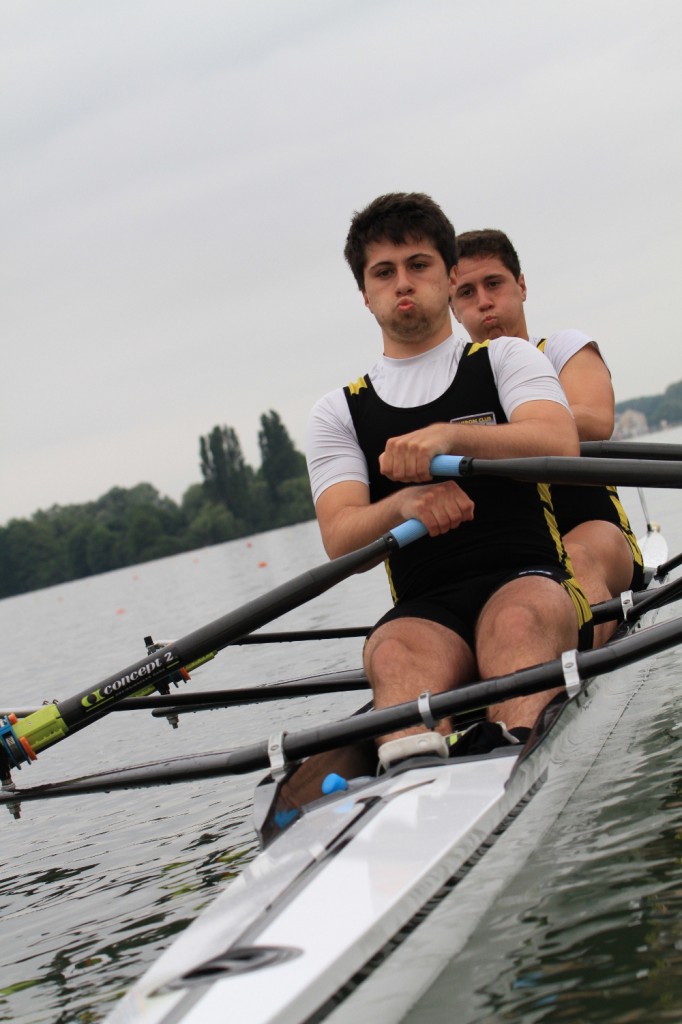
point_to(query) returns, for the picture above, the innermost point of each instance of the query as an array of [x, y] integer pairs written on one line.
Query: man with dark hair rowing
[[489, 302], [491, 590]]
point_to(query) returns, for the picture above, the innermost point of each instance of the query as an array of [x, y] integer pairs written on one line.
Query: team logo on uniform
[[482, 418]]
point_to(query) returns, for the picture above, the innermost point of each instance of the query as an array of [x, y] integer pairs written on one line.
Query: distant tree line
[[137, 524], [660, 410]]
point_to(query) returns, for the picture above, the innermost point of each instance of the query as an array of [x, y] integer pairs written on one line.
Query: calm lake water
[[93, 888]]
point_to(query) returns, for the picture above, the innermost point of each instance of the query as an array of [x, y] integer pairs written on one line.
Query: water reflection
[[591, 929]]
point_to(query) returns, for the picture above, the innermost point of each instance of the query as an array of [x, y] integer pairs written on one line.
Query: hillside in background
[[651, 412]]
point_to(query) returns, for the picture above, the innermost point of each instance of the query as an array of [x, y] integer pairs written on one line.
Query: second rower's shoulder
[[517, 354], [569, 340], [562, 346]]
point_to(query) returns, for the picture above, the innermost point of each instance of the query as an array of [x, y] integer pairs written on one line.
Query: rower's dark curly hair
[[472, 245], [399, 217]]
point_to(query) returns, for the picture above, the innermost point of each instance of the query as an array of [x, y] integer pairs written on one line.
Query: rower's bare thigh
[[432, 651], [525, 622]]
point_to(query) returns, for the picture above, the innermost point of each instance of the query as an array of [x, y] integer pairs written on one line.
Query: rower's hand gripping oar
[[22, 739]]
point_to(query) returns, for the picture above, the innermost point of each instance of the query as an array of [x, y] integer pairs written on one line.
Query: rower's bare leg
[[527, 622], [405, 657], [602, 564]]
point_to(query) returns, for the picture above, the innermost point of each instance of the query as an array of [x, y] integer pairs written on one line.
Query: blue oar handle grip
[[408, 531], [448, 465]]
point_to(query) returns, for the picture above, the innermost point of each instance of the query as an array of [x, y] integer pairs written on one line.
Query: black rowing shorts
[[458, 607]]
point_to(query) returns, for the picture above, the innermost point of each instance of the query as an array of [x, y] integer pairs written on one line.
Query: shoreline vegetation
[[128, 526], [643, 415]]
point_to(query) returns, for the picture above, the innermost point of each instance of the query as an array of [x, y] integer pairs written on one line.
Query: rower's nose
[[403, 282]]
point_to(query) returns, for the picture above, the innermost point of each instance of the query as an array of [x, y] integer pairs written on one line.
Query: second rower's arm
[[348, 521], [587, 385]]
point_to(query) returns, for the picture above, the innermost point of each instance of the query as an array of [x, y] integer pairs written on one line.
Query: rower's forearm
[[527, 439], [593, 424], [354, 527]]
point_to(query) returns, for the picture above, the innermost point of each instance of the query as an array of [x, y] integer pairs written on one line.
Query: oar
[[296, 635], [667, 567], [643, 600], [22, 739], [558, 469], [161, 705], [295, 746], [585, 470], [346, 680], [650, 527], [631, 449], [653, 544]]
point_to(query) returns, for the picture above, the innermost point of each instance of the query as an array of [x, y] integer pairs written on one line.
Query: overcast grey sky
[[179, 177]]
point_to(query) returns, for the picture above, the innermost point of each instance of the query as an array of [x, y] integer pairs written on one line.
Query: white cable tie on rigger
[[569, 665], [627, 603], [424, 709], [276, 757]]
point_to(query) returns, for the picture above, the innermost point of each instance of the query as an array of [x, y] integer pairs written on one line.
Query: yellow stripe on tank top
[[571, 585], [545, 493], [357, 385], [387, 567], [625, 527]]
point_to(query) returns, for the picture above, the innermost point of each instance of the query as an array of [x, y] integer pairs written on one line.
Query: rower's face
[[407, 288], [488, 300]]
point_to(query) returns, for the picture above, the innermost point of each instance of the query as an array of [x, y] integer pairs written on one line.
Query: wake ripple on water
[[591, 928]]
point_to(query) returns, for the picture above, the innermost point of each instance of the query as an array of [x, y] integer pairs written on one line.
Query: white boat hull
[[355, 909]]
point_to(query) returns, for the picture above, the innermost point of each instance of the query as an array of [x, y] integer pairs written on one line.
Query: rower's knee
[[528, 621], [601, 559], [509, 622], [383, 653]]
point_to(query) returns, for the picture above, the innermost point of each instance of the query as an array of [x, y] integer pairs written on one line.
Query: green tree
[[193, 500], [296, 502], [226, 475], [77, 550], [101, 549], [279, 459], [17, 558], [137, 524], [669, 408], [214, 524]]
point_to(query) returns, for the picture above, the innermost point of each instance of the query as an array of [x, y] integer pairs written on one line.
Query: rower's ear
[[453, 287]]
